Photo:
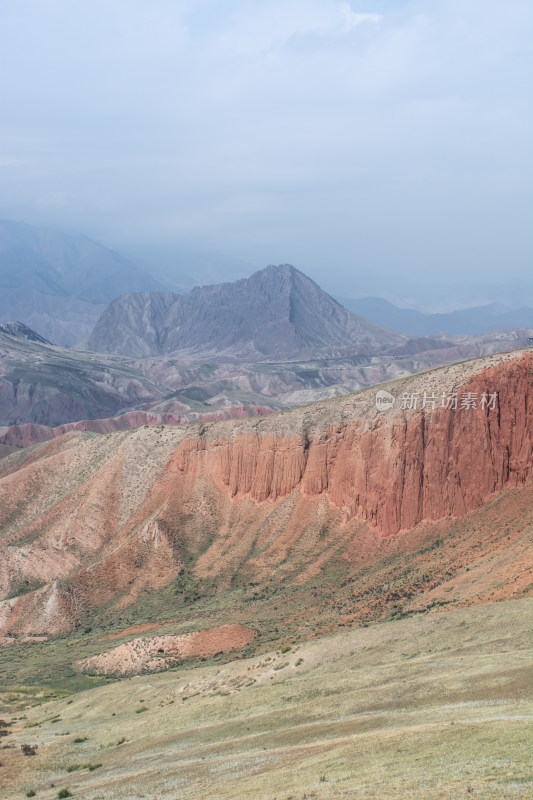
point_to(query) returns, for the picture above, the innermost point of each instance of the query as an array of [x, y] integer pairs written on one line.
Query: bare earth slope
[[98, 526]]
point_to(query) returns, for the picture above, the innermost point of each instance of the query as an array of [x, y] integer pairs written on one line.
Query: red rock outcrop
[[394, 470]]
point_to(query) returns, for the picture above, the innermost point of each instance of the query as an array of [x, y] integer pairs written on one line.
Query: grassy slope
[[433, 706]]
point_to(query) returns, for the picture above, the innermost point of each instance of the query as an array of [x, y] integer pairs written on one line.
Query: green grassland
[[430, 707]]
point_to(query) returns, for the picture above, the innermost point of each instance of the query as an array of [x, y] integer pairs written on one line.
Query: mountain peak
[[277, 313], [279, 270], [282, 272]]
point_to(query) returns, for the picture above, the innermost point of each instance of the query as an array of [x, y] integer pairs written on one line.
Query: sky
[[381, 146]]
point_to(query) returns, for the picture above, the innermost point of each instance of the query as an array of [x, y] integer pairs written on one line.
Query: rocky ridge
[[94, 521]]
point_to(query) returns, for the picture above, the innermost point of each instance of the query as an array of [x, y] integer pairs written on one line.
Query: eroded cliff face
[[88, 521], [394, 470]]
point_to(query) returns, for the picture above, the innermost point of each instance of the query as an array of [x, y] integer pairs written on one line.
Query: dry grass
[[425, 708]]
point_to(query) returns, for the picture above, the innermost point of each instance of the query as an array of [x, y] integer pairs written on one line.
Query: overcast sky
[[374, 144]]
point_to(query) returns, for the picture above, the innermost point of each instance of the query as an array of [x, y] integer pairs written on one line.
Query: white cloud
[[351, 18]]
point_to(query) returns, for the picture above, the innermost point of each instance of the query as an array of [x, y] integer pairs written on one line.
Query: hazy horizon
[[381, 147]]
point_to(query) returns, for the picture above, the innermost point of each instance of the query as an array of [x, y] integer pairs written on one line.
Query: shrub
[[140, 710], [64, 793]]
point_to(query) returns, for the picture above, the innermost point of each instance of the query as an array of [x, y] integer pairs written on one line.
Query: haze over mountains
[[261, 344], [468, 321], [60, 283]]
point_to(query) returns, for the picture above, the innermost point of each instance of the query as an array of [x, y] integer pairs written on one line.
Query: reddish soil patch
[[160, 652]]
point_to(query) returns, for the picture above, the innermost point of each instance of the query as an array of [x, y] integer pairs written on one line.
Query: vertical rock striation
[[393, 471]]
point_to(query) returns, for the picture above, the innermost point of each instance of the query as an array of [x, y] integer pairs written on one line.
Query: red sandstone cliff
[[396, 469]]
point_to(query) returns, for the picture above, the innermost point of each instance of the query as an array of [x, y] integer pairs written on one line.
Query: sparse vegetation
[[24, 587], [413, 732], [76, 767]]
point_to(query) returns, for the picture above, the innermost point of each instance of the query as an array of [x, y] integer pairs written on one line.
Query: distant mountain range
[[466, 322], [267, 342], [66, 265], [59, 283], [276, 313]]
